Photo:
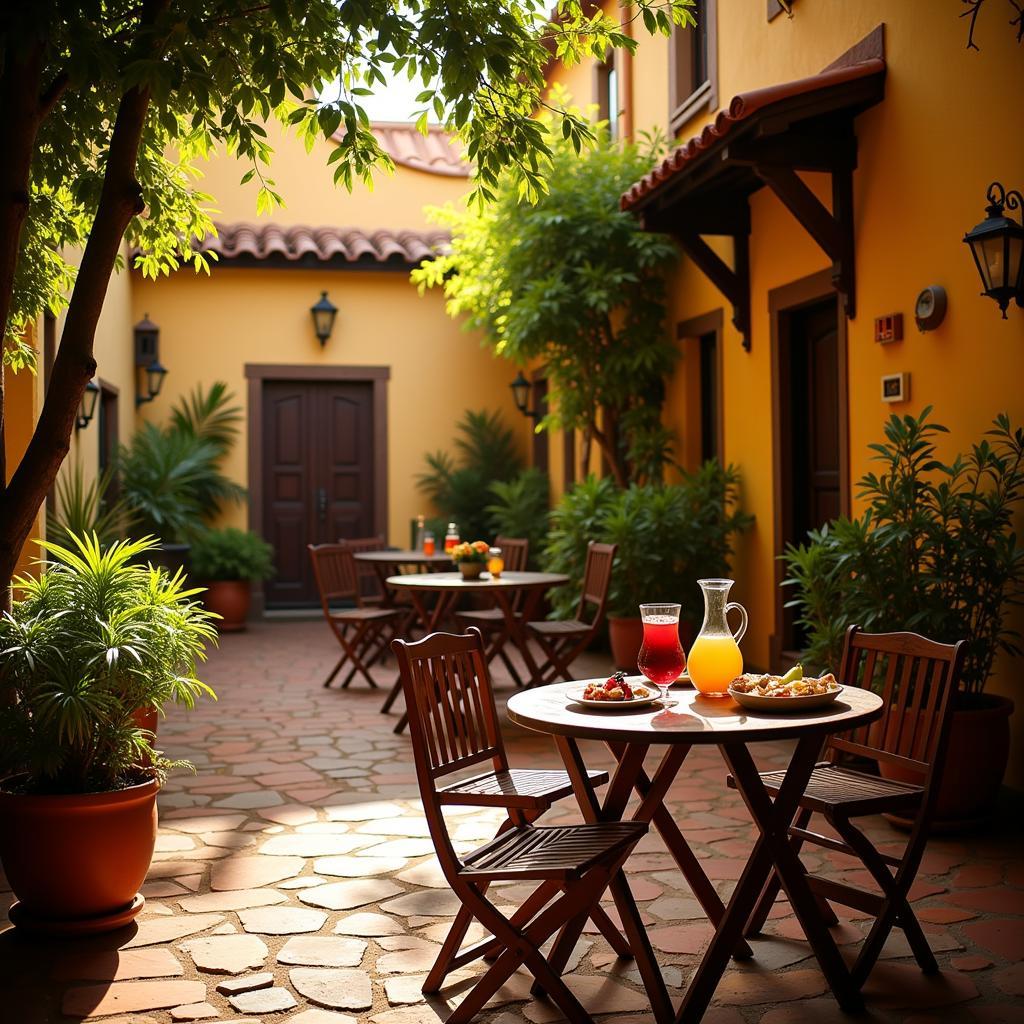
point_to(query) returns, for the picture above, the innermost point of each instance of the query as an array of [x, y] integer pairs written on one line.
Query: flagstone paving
[[294, 881]]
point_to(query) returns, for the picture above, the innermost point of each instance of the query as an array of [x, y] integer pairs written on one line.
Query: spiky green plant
[[86, 508], [208, 414], [520, 509], [92, 640]]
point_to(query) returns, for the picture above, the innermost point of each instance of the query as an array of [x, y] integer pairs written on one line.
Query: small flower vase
[[471, 570]]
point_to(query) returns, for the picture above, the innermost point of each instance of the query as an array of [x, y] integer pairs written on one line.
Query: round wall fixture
[[930, 307]]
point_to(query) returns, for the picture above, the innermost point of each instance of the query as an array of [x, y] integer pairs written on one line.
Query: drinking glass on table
[[661, 657]]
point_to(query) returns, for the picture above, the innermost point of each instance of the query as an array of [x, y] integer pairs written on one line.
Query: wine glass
[[661, 657]]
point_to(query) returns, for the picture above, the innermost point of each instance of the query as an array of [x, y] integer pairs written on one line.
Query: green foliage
[[94, 639], [520, 509], [84, 509], [459, 486], [170, 476], [576, 283], [215, 71], [935, 552], [231, 554], [668, 538]]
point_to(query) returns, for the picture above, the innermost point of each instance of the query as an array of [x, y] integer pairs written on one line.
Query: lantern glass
[[155, 374], [520, 392], [324, 313], [87, 405]]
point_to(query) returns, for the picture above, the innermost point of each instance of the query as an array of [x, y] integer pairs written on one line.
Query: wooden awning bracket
[[831, 229], [732, 282]]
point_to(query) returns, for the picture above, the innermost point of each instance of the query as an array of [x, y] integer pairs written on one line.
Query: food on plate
[[615, 688], [793, 684]]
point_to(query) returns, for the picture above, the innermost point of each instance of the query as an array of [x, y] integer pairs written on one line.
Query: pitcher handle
[[739, 634]]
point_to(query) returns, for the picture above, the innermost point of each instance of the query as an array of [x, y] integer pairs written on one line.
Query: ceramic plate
[[576, 696], [755, 702]]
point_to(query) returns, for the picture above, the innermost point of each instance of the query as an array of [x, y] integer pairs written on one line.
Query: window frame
[[705, 95]]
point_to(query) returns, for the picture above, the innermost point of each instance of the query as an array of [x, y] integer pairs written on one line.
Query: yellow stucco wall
[[209, 330], [926, 155]]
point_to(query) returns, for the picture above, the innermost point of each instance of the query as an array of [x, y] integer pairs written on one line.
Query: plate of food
[[792, 692], [615, 693]]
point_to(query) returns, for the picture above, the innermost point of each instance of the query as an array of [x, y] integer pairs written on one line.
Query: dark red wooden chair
[[917, 679], [360, 629], [490, 621], [370, 590], [453, 725], [564, 640]]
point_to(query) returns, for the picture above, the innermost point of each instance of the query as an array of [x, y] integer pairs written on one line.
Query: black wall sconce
[[324, 313], [521, 396], [149, 372], [997, 245], [87, 406]]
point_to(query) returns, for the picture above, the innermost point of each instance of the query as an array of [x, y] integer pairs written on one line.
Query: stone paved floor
[[294, 881]]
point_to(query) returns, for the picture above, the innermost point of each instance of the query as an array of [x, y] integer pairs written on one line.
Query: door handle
[[321, 503]]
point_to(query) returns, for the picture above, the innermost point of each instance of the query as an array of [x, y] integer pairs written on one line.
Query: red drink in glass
[[661, 657]]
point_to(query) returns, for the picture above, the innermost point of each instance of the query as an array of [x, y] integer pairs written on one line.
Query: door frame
[[786, 299], [259, 374], [693, 329]]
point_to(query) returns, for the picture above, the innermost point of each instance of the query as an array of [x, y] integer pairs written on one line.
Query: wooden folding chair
[[563, 640], [919, 679], [370, 590], [453, 725], [360, 629], [490, 621]]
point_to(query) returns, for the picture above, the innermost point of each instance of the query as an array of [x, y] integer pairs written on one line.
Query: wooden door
[[811, 439], [317, 476]]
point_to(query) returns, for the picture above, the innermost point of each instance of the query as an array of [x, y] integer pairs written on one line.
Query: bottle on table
[[451, 538], [420, 533], [429, 545], [495, 562]]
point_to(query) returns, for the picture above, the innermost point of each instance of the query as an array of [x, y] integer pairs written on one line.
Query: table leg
[[445, 601], [616, 797], [515, 626], [652, 809], [422, 612], [771, 848]]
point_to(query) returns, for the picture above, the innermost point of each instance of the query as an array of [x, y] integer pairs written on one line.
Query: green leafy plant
[[520, 509], [934, 552], [170, 476], [84, 508], [577, 284], [231, 554], [668, 538], [459, 486], [93, 640]]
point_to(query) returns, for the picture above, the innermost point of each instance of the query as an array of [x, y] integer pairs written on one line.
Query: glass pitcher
[[715, 659]]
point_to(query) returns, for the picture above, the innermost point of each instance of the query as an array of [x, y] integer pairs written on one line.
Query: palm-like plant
[[94, 639], [85, 508], [209, 415]]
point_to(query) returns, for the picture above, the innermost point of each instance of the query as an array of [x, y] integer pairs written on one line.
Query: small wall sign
[[896, 387], [889, 328]]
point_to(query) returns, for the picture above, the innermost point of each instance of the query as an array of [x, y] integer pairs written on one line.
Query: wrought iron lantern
[[87, 405], [324, 313], [521, 396], [997, 245], [154, 381], [149, 371]]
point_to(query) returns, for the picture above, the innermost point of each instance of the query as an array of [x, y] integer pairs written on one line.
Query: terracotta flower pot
[[471, 570], [230, 600], [77, 861], [976, 758]]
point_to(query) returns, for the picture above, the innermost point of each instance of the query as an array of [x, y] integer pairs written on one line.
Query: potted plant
[[90, 643], [470, 557], [668, 537], [228, 562], [935, 552]]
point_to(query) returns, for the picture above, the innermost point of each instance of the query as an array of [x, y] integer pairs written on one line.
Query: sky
[[396, 102]]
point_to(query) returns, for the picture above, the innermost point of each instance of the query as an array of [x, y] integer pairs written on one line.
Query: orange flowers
[[470, 552]]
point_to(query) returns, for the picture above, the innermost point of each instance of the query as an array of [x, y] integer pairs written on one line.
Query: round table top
[[454, 580], [693, 719], [403, 557]]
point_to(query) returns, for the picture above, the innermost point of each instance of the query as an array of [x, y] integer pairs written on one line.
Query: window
[[108, 434], [693, 58], [607, 95], [709, 396]]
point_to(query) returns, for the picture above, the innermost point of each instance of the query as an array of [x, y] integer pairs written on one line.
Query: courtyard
[[294, 880]]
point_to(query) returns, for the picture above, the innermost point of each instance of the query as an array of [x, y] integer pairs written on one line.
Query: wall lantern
[[997, 245], [324, 313], [521, 396], [149, 372], [87, 406]]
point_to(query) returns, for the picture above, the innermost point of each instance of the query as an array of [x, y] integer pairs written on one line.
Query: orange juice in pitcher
[[715, 659]]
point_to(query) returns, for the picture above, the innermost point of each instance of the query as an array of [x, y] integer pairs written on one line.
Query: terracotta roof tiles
[[437, 152]]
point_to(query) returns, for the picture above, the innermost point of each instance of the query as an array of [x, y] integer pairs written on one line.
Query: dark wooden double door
[[318, 476]]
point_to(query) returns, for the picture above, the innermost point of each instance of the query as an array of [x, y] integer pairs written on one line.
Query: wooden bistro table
[[695, 719], [450, 586]]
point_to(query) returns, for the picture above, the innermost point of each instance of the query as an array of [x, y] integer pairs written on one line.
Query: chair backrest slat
[[369, 581], [597, 578], [515, 552], [918, 680], [335, 574]]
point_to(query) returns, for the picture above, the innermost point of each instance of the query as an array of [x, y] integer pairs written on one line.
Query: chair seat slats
[[516, 787], [561, 627], [834, 786]]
